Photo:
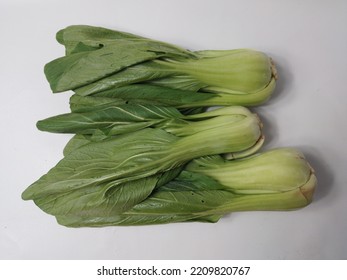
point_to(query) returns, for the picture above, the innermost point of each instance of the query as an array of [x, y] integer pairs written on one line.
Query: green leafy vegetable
[[238, 185], [121, 164], [115, 120], [99, 59], [147, 94], [147, 149], [112, 120]]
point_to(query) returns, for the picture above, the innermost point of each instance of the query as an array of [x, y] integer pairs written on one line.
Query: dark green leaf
[[111, 120], [78, 38], [146, 93], [104, 199], [94, 53], [135, 220], [76, 142], [135, 74], [190, 197], [117, 160], [79, 69]]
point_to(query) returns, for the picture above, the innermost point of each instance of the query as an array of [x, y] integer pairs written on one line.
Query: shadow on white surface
[[322, 170], [284, 81]]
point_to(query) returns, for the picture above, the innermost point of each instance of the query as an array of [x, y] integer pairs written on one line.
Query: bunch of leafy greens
[[146, 150]]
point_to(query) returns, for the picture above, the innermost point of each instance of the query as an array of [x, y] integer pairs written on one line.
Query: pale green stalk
[[231, 71]]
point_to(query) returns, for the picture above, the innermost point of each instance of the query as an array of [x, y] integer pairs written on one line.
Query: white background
[[307, 40]]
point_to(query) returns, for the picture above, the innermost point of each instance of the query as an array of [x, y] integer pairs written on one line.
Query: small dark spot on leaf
[[203, 201]]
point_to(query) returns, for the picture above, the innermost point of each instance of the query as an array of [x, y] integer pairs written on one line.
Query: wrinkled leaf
[[94, 53], [133, 220], [76, 142], [79, 69], [77, 38], [186, 198], [117, 160], [111, 120], [104, 199]]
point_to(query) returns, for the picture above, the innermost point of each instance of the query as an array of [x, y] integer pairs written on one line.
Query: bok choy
[[148, 94], [210, 187], [99, 59], [147, 146], [134, 163], [115, 120]]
